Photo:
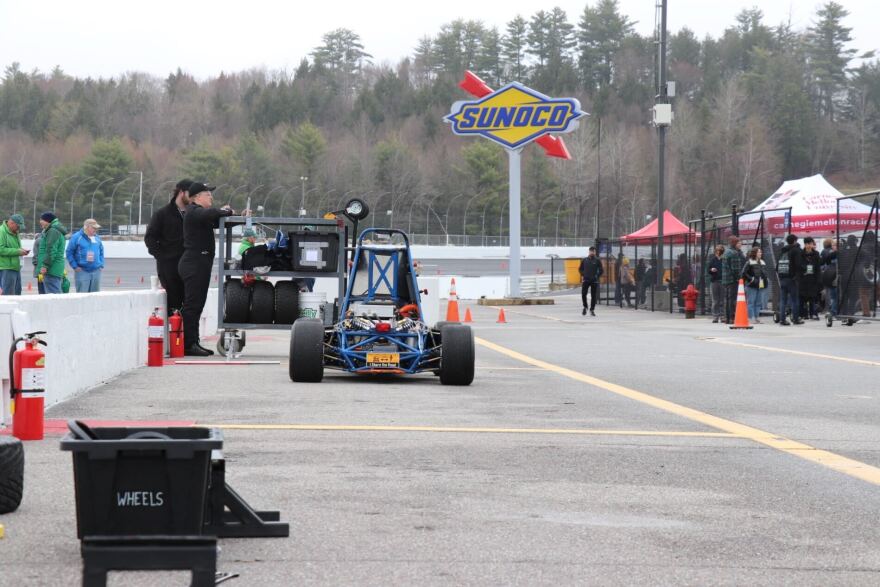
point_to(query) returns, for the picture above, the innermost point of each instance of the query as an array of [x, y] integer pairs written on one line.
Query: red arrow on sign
[[553, 146]]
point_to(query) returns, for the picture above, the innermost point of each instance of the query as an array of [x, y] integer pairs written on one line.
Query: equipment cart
[[262, 289]]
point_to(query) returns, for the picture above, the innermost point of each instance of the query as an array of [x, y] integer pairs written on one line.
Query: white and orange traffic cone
[[452, 307], [741, 319]]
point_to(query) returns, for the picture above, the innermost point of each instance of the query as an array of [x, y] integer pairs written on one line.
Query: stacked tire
[[286, 302], [260, 302], [11, 473]]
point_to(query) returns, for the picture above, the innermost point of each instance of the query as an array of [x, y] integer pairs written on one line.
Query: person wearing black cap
[[164, 240], [197, 261]]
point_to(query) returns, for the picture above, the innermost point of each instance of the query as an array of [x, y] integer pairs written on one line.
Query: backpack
[[829, 276], [783, 266]]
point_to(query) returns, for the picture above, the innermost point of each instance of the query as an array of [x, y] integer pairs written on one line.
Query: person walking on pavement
[[755, 278], [590, 270], [713, 272], [164, 240], [195, 265], [51, 256], [731, 269], [11, 253], [85, 254], [829, 274], [789, 267]]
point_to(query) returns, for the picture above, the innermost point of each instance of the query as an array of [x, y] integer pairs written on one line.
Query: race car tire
[[262, 303], [306, 361], [286, 302], [11, 473], [237, 303], [457, 355]]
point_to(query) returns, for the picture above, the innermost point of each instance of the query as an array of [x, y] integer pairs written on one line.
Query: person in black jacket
[[197, 261], [164, 240], [590, 270], [713, 272], [810, 283], [789, 267]]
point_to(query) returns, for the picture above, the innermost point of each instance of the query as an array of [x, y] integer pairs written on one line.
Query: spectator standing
[[731, 269], [627, 282], [11, 253], [85, 254], [51, 258], [590, 270], [789, 268], [34, 257], [811, 283], [828, 257], [756, 280], [641, 270], [713, 272], [164, 240]]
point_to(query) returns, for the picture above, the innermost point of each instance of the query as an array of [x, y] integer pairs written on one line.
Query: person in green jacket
[[249, 238], [51, 256], [11, 253]]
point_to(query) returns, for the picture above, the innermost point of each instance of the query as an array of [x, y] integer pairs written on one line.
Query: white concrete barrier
[[91, 337]]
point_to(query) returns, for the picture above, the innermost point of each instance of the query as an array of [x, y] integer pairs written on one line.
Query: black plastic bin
[[141, 481]]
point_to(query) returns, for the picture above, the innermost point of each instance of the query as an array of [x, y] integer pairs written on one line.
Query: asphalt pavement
[[632, 448]]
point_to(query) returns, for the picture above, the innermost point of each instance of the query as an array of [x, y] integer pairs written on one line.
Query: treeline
[[760, 104]]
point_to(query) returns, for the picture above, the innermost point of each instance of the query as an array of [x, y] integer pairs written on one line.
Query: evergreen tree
[[601, 32], [829, 56], [305, 145], [514, 46]]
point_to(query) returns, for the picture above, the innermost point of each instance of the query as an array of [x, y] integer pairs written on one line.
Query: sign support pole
[[514, 156]]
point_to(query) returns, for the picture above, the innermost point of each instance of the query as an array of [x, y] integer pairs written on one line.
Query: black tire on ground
[[239, 342], [11, 473], [457, 355], [286, 302], [306, 361], [262, 303], [238, 302]]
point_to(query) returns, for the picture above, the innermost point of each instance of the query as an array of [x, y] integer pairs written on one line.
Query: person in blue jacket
[[85, 253]]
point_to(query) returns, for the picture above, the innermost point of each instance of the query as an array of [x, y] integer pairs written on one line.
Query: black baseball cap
[[197, 187], [183, 185]]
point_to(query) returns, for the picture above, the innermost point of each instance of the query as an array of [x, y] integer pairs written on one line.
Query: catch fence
[[858, 289]]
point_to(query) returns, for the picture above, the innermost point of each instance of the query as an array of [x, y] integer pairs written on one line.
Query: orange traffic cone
[[118, 280], [501, 318], [142, 278], [741, 320], [467, 315], [30, 286], [452, 306]]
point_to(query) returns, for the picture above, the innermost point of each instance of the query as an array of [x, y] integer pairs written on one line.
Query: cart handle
[[80, 430]]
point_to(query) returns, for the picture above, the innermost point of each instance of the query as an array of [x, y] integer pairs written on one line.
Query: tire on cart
[[262, 303], [306, 361], [11, 473], [286, 302], [457, 355], [238, 343], [238, 301]]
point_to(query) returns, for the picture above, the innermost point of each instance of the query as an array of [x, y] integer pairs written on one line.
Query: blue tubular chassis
[[382, 278]]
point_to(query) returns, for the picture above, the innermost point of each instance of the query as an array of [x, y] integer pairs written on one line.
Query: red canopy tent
[[674, 231]]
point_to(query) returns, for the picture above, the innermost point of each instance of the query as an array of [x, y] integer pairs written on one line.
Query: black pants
[[593, 288], [170, 279], [730, 291], [195, 271]]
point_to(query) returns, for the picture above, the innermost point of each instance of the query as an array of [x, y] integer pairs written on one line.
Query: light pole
[[540, 212], [413, 203], [250, 195], [60, 185], [128, 205], [97, 187], [283, 199], [156, 191], [561, 202], [24, 178], [448, 206], [235, 191], [303, 211], [302, 202], [428, 210], [464, 219], [140, 200], [501, 223], [483, 230], [72, 196], [266, 199], [112, 196]]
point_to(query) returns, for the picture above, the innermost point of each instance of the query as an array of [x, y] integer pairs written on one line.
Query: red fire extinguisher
[[175, 323], [155, 340], [28, 368]]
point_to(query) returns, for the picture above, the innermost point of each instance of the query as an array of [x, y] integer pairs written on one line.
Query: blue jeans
[[789, 298], [10, 282], [831, 299], [51, 285], [753, 302], [88, 281]]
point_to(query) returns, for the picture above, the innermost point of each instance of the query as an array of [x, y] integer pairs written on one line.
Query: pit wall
[[91, 338]]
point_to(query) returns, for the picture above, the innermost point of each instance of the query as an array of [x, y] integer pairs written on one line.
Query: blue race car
[[381, 328]]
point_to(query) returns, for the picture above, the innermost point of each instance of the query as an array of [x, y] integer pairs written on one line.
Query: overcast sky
[[109, 37]]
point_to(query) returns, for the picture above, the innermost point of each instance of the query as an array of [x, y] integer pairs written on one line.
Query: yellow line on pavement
[[791, 352], [477, 430], [828, 459]]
